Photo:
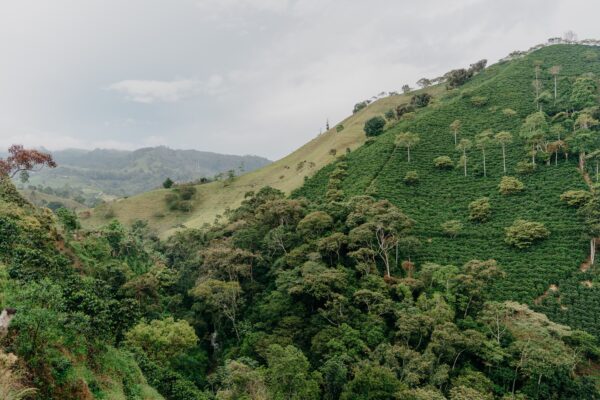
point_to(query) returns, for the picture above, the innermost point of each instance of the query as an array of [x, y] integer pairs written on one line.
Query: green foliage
[[168, 183], [452, 228], [480, 210], [359, 106], [289, 375], [390, 115], [68, 219], [411, 178], [339, 128], [420, 100], [162, 340], [510, 185], [374, 126], [576, 198], [523, 233], [443, 162]]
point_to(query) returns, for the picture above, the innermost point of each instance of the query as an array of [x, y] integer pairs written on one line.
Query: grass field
[[215, 198]]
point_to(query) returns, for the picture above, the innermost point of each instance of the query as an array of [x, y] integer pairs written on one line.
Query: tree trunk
[[455, 143], [533, 154], [408, 151], [592, 250], [484, 170], [465, 160], [504, 157], [554, 89], [596, 171], [556, 158]]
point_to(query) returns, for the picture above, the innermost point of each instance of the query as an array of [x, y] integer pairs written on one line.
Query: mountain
[[119, 173], [214, 199]]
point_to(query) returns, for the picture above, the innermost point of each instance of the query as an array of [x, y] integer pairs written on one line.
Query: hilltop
[[286, 174]]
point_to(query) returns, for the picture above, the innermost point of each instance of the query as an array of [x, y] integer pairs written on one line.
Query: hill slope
[[215, 198], [124, 173], [440, 196]]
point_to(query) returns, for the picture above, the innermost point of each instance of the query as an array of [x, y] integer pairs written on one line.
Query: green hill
[[443, 195], [215, 198]]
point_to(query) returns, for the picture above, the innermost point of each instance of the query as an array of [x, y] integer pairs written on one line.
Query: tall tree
[[584, 140], [407, 140], [455, 126], [533, 131], [504, 138], [595, 156], [464, 145], [554, 71], [21, 160], [483, 140], [536, 83]]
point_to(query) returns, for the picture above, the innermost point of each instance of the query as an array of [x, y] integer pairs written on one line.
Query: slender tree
[[503, 138], [408, 140], [455, 126], [483, 140], [595, 156], [537, 84], [464, 145], [584, 140], [533, 131], [554, 71]]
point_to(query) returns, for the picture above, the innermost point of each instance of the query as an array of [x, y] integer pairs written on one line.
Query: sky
[[239, 76]]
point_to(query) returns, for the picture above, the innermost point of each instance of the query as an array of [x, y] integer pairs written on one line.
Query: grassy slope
[[214, 198], [41, 199], [440, 196]]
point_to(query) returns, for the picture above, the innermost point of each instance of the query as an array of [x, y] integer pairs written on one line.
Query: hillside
[[51, 201], [444, 195], [215, 198], [118, 173]]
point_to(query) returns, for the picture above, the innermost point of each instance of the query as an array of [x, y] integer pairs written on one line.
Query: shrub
[[525, 167], [359, 106], [339, 128], [523, 233], [510, 185], [480, 210], [186, 192], [479, 101], [576, 198], [390, 115], [452, 228], [443, 162], [420, 100], [404, 109], [168, 183], [457, 77], [411, 178], [374, 126]]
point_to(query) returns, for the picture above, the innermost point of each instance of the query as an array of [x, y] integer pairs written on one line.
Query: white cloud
[[143, 91]]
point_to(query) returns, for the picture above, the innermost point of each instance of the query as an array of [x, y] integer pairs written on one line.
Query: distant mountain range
[[125, 173]]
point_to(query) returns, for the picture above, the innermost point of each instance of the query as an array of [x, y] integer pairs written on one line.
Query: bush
[[452, 228], [168, 183], [525, 167], [359, 106], [420, 100], [523, 233], [339, 128], [374, 126], [510, 185], [457, 77], [576, 198], [390, 115], [186, 192], [479, 101], [480, 210], [411, 178], [443, 162], [404, 109]]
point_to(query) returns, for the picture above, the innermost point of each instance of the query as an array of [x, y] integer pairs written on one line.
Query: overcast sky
[[239, 76]]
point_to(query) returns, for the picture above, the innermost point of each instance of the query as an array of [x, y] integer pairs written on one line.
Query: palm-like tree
[[455, 126], [482, 141], [408, 140], [464, 145], [504, 138]]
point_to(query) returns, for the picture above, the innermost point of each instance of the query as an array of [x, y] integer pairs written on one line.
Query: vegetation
[[522, 233], [510, 185], [374, 126]]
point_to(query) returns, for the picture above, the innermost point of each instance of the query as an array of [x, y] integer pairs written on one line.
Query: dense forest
[[444, 259]]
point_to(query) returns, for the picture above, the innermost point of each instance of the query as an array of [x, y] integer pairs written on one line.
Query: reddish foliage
[[21, 159]]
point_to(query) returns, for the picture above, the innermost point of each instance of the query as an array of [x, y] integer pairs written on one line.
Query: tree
[[554, 71], [584, 140], [23, 160], [455, 126], [162, 339], [537, 84], [534, 130], [411, 177], [68, 219], [390, 114], [224, 298], [168, 183], [371, 382], [406, 89], [420, 100], [503, 138], [464, 145], [478, 66], [289, 376], [360, 106], [374, 126], [457, 77], [523, 233], [595, 156], [407, 140], [483, 140], [583, 94], [480, 210], [510, 185], [443, 162], [452, 228], [424, 82]]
